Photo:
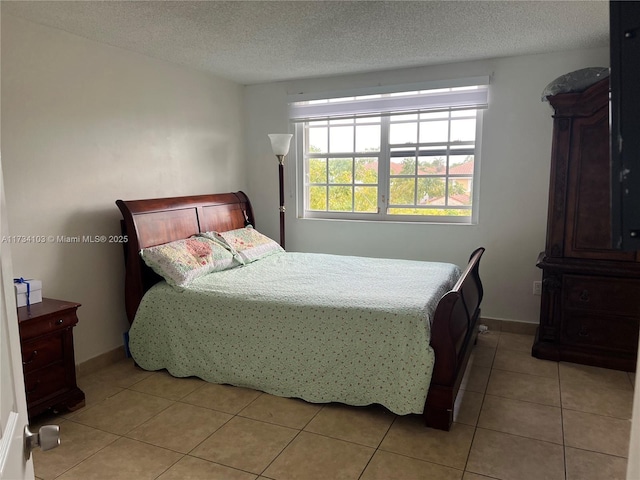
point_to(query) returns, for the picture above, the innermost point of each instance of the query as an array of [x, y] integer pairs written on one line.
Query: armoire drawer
[[598, 330], [615, 296]]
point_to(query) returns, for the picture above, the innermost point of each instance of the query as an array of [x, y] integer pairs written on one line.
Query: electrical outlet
[[537, 288]]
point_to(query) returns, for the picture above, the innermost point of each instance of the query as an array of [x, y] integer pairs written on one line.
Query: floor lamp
[[280, 145]]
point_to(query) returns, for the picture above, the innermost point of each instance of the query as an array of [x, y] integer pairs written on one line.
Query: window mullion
[[303, 176], [326, 187], [384, 166], [353, 166]]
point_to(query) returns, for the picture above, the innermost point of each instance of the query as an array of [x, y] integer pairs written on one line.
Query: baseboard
[[96, 363], [509, 326]]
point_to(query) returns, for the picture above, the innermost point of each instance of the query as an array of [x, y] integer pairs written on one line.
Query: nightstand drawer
[[40, 353], [45, 382], [47, 325], [615, 296]]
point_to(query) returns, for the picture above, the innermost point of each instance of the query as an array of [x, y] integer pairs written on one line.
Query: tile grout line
[[484, 396], [564, 442], [377, 448], [290, 442], [93, 454]]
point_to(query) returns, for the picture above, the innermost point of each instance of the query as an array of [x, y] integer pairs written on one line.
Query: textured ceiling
[[254, 42]]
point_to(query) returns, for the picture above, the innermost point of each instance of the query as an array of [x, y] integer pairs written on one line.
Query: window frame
[[384, 173]]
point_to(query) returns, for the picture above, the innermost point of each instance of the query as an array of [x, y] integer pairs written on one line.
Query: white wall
[[84, 124], [514, 179]]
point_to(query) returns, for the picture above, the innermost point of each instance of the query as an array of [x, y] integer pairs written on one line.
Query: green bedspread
[[324, 328]]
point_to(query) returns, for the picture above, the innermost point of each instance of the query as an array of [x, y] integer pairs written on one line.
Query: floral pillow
[[182, 261], [248, 244]]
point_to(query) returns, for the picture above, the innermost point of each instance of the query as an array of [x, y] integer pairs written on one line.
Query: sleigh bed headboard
[[152, 222]]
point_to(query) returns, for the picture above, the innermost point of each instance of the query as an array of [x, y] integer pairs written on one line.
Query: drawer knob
[[35, 387], [33, 356], [584, 296], [583, 332], [60, 321]]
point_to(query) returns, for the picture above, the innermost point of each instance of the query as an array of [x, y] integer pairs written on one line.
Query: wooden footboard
[[453, 333]]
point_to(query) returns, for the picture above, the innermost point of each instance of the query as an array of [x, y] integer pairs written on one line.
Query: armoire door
[[588, 213]]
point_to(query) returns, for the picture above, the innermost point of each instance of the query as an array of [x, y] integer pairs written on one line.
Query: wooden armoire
[[590, 306]]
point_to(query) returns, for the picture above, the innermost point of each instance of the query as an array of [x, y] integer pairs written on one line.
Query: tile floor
[[517, 418]]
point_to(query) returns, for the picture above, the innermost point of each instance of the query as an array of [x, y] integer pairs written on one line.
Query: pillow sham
[[248, 244], [182, 261]]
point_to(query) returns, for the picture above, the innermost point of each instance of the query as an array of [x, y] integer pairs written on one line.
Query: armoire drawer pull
[[33, 356], [35, 388], [584, 296]]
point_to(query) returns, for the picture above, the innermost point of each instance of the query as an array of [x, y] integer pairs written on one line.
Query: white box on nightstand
[[35, 292]]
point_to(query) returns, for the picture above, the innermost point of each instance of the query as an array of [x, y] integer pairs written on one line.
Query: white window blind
[[389, 100]]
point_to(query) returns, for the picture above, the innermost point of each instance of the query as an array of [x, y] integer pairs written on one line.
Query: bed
[[365, 338]]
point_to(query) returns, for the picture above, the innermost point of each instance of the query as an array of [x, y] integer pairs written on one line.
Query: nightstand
[[46, 338]]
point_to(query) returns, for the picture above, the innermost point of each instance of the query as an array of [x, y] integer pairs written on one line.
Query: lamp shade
[[280, 143]]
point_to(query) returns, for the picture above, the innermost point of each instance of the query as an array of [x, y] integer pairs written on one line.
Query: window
[[407, 155]]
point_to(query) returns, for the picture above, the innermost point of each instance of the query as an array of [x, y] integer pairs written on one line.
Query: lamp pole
[[281, 186], [280, 144]]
